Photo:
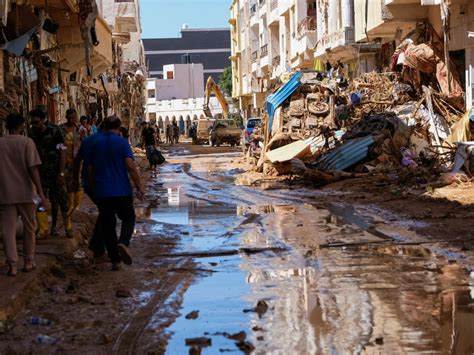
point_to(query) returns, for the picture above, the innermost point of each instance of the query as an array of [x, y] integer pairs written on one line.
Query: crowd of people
[[53, 162]]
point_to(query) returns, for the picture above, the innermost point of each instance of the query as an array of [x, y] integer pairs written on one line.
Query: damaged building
[[392, 102], [81, 54]]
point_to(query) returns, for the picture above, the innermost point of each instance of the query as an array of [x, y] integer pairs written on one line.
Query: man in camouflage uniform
[[50, 144], [72, 141]]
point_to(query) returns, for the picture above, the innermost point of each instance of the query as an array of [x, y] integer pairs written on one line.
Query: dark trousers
[[96, 244], [109, 209]]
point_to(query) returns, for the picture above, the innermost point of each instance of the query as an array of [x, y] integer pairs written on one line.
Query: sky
[[164, 18]]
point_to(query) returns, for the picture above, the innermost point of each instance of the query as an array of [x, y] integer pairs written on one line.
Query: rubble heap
[[329, 129]]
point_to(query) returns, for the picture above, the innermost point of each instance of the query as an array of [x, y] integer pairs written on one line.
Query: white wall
[[187, 82], [185, 107]]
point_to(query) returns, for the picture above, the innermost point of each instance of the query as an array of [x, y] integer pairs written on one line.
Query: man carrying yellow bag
[[50, 145]]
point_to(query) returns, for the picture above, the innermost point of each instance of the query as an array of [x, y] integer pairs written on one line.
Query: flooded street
[[221, 266], [326, 278]]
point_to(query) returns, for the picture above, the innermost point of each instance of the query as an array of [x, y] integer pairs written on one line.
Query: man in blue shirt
[[96, 243], [110, 161]]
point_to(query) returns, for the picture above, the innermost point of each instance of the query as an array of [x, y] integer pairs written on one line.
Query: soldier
[[50, 144]]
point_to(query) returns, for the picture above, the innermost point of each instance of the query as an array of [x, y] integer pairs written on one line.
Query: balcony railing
[[264, 50], [254, 56], [273, 5], [305, 25]]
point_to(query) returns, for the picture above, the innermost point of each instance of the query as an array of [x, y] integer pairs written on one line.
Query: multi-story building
[[207, 46], [269, 37], [67, 67], [178, 97], [389, 21]]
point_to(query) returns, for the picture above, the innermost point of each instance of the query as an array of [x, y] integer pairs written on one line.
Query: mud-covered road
[[220, 266]]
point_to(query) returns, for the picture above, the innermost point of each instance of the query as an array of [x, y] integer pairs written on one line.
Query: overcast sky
[[163, 18]]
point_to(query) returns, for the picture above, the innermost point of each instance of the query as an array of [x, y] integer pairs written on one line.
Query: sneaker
[[116, 266], [124, 254]]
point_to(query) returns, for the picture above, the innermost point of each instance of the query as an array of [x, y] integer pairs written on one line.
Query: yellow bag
[[43, 224]]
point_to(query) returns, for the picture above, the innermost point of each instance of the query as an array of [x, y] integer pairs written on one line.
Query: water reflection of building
[[342, 300], [181, 210]]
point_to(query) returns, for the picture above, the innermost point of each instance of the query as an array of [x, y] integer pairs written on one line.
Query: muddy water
[[334, 287]]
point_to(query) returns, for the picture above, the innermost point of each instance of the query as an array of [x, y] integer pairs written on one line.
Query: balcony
[[254, 56], [253, 10], [273, 5], [72, 45], [283, 7], [264, 60], [126, 17], [335, 41], [306, 25], [262, 8]]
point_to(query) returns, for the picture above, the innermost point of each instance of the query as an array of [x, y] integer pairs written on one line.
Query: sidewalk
[[16, 291]]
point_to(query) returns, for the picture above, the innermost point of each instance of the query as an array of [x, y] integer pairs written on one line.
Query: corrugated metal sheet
[[276, 99], [346, 155]]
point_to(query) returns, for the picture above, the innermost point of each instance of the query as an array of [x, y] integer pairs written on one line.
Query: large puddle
[[336, 288]]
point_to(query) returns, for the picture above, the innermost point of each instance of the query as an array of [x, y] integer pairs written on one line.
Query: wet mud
[[225, 267]]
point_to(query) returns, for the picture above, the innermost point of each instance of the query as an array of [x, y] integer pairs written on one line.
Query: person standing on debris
[[19, 183], [148, 142], [52, 151], [110, 161], [72, 140]]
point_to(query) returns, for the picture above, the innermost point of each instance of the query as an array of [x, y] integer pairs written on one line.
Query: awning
[[276, 99], [72, 49]]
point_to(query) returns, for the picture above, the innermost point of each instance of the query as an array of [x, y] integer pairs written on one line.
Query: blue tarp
[[276, 99], [346, 155]]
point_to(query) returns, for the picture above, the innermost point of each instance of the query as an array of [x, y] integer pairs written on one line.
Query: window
[[169, 75], [151, 93]]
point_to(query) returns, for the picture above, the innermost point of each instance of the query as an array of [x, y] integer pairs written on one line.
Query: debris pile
[[324, 128]]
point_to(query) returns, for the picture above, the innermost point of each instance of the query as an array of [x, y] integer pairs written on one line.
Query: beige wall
[[374, 17]]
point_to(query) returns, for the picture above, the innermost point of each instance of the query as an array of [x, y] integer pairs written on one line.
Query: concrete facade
[[181, 81], [270, 37], [178, 97]]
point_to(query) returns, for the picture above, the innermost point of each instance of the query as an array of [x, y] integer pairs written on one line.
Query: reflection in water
[[393, 299], [367, 299]]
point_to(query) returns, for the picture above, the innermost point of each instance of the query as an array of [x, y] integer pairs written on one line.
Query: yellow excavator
[[212, 87], [225, 130]]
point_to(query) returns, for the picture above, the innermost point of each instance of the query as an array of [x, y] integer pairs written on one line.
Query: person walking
[[52, 151], [72, 140], [96, 243], [19, 183], [148, 142], [110, 161]]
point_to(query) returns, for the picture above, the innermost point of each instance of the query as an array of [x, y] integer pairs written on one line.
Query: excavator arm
[[212, 87]]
